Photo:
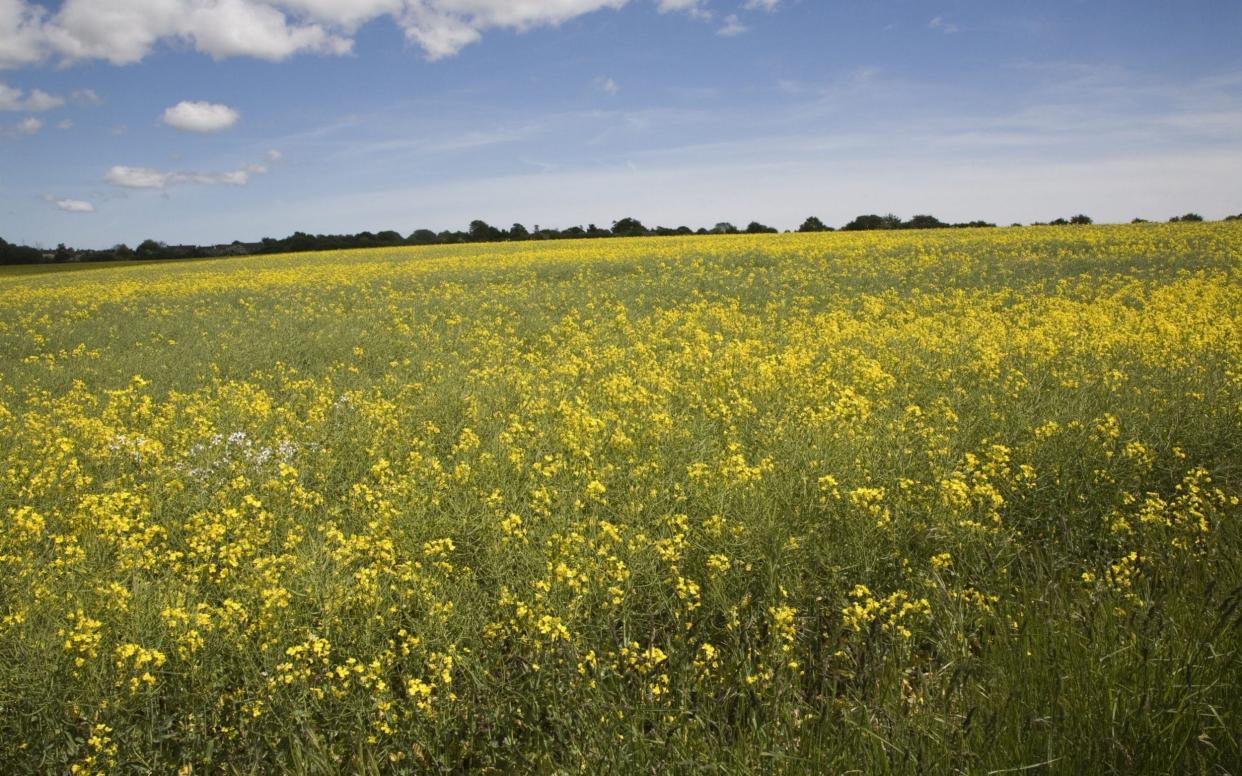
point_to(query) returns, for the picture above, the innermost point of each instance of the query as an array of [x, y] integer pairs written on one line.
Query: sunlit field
[[918, 502]]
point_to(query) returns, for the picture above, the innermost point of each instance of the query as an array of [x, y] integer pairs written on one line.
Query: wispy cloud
[[732, 26], [692, 189], [73, 205], [1087, 144], [695, 8], [27, 126], [86, 97], [149, 178], [939, 23], [607, 85]]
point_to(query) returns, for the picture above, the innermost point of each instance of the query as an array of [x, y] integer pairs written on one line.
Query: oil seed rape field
[[918, 502]]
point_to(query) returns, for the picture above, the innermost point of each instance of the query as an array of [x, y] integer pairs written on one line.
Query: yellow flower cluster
[[487, 508]]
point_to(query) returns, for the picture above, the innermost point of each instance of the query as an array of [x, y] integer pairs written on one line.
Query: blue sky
[[209, 120]]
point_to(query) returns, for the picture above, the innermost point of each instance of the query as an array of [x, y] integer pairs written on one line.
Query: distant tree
[[518, 232], [1139, 221], [300, 241], [754, 227], [724, 227], [924, 222], [813, 224], [872, 221], [1058, 222], [481, 231], [1238, 217], [19, 254], [149, 249], [1015, 223], [1081, 220], [422, 237], [628, 227], [1193, 218]]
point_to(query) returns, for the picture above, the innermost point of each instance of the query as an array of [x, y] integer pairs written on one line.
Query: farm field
[[920, 502]]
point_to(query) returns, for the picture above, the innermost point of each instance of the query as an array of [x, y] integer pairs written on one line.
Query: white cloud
[[762, 5], [238, 27], [38, 100], [201, 117], [138, 177], [732, 26], [607, 85], [938, 23], [440, 35], [693, 7], [148, 178], [444, 27], [126, 31], [74, 205], [231, 178], [65, 124], [21, 33], [121, 31], [347, 14]]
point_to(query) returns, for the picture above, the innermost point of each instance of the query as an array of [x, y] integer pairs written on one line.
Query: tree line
[[480, 231]]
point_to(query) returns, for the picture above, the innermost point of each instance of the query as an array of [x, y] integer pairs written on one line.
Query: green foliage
[[629, 227], [18, 254], [924, 222], [872, 222], [481, 231]]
